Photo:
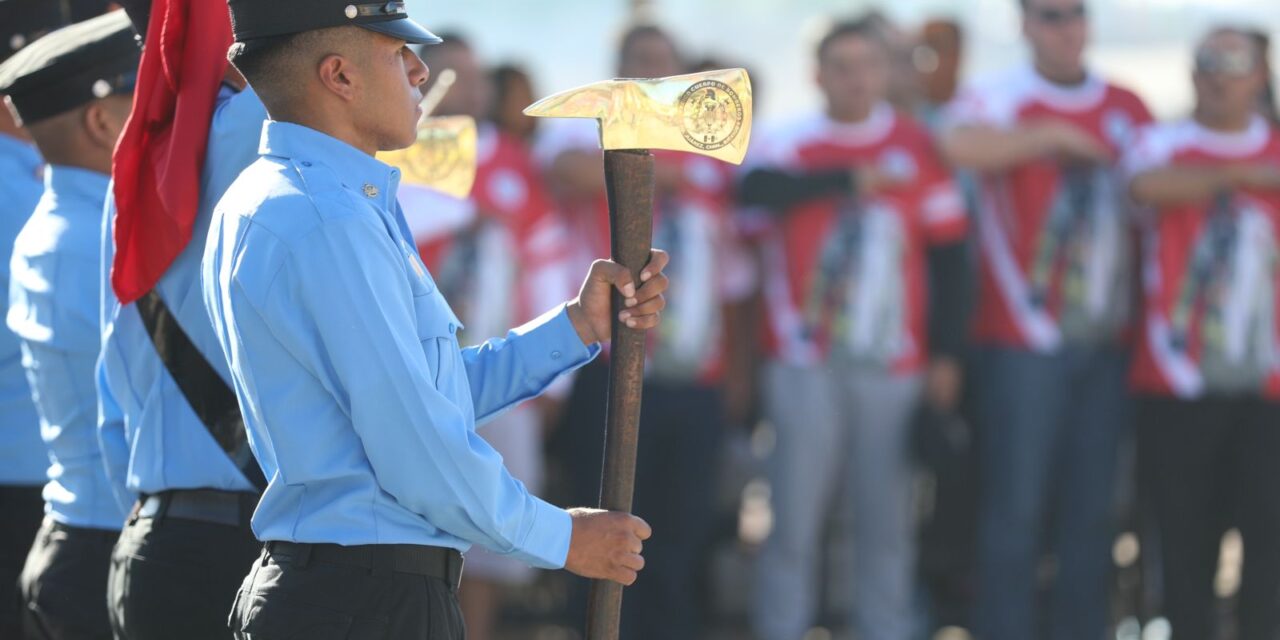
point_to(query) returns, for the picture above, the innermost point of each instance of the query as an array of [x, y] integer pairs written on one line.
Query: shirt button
[[555, 355], [453, 328]]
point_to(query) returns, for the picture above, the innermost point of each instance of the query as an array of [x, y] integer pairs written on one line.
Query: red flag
[[158, 160]]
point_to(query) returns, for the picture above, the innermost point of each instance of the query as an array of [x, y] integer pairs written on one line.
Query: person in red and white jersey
[[681, 424], [862, 208], [500, 257], [1207, 368], [1057, 278]]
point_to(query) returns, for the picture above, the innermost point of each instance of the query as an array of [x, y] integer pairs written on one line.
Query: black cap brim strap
[[404, 29]]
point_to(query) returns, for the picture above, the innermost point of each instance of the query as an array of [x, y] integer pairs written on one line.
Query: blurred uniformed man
[[72, 90], [358, 401], [170, 425], [23, 462]]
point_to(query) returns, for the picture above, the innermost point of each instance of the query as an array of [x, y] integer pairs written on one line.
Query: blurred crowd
[[995, 353]]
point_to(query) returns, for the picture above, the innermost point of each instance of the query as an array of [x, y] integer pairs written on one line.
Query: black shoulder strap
[[208, 394]]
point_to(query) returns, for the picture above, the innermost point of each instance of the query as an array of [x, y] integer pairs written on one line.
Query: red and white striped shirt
[[1056, 241], [847, 279], [1210, 271]]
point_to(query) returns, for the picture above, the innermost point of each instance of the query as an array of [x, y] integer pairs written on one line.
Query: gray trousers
[[842, 451]]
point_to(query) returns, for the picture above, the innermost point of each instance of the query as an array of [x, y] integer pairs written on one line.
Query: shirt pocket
[[438, 333]]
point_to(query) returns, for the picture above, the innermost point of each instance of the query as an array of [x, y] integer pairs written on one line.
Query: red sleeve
[[940, 200]]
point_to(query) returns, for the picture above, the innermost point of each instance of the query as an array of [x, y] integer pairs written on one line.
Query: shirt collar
[[1082, 97], [1235, 144], [358, 171], [26, 153], [870, 130], [75, 182]]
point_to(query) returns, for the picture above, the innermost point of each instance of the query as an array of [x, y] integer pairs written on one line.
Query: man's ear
[[103, 121], [338, 75]]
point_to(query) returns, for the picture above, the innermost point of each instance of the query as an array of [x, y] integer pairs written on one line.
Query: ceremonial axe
[[706, 113]]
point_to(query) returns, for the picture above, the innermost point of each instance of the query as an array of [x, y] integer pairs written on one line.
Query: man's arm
[[779, 190], [111, 427], [948, 314], [990, 149], [112, 441], [1177, 185], [503, 372]]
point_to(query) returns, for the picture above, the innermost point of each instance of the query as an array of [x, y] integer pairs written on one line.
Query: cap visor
[[405, 29]]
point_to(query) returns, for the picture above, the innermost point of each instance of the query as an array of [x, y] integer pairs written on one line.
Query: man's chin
[[400, 142]]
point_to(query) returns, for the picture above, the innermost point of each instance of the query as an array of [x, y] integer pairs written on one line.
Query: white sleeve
[[991, 104], [1153, 148]]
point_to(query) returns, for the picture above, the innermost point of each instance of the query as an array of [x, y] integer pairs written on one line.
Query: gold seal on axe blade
[[707, 113], [443, 158]]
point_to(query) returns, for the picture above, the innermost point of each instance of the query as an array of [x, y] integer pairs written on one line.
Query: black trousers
[[676, 472], [1208, 465], [64, 583], [23, 509], [174, 578], [284, 598]]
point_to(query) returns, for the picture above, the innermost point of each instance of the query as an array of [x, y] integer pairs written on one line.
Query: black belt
[[105, 536], [422, 560], [230, 508]]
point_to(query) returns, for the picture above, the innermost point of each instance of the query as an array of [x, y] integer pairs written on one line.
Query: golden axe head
[[707, 113]]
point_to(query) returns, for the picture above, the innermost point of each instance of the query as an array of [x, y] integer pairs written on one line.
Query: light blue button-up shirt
[[23, 459], [360, 405], [53, 308], [151, 438]]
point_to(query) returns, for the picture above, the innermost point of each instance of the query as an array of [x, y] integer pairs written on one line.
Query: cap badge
[[101, 89], [351, 12]]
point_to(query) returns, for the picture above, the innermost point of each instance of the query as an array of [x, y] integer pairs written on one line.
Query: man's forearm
[[780, 190], [987, 149], [1171, 186]]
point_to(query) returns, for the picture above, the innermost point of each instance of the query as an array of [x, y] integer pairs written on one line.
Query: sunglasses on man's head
[[1230, 63], [1061, 16]]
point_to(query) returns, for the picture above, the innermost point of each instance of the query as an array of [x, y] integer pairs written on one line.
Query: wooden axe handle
[[629, 178]]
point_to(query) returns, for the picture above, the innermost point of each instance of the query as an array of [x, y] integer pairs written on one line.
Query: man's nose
[[419, 72]]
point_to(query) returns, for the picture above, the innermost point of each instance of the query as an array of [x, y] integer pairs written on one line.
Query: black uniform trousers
[[23, 509], [369, 592], [175, 572], [64, 583], [1208, 465]]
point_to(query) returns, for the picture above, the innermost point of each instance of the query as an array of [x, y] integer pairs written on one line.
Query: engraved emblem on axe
[[705, 113]]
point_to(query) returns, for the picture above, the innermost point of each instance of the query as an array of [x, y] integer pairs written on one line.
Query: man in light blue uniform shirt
[[72, 89], [357, 399], [23, 460], [187, 544]]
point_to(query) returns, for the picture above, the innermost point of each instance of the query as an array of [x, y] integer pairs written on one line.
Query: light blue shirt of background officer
[[53, 298], [182, 553], [23, 459], [152, 439], [72, 90], [22, 453]]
